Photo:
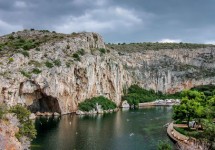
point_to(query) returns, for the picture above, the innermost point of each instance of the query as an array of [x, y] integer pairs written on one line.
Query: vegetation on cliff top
[[135, 95], [23, 41], [138, 47], [90, 104]]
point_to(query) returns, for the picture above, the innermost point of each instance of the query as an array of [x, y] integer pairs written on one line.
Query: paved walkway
[[183, 141], [175, 135]]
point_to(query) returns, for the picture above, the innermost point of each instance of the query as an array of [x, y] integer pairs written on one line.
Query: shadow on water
[[125, 129]]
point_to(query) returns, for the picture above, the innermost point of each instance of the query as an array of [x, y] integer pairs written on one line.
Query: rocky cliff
[[54, 72]]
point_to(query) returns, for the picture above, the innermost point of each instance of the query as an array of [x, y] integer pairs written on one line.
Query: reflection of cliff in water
[[108, 131]]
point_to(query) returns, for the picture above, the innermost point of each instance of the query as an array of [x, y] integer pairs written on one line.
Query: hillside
[[54, 72]]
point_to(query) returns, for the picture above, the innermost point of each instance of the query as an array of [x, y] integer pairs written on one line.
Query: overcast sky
[[116, 20]]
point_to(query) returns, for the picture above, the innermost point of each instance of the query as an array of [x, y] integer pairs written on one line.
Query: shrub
[[35, 63], [90, 104], [11, 37], [36, 71], [68, 64], [37, 49], [28, 45], [67, 47], [26, 125], [164, 145], [3, 110], [26, 74], [136, 94], [25, 53], [81, 52], [49, 64], [102, 50], [57, 62], [76, 56]]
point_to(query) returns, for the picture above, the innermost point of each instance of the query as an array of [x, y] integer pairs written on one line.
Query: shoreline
[[166, 102]]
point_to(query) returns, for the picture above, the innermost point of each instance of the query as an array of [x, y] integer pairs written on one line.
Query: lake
[[134, 129]]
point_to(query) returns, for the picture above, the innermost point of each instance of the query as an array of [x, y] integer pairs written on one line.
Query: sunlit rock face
[[63, 86], [171, 71]]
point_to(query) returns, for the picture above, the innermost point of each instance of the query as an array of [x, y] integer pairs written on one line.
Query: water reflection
[[126, 129]]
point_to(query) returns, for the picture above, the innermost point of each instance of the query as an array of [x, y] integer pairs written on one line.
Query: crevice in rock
[[45, 104]]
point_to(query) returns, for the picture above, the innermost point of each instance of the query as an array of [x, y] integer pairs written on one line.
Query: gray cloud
[[117, 21]]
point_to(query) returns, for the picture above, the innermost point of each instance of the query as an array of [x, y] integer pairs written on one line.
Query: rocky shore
[[79, 112], [166, 102]]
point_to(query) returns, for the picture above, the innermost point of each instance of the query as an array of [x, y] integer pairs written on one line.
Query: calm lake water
[[139, 129]]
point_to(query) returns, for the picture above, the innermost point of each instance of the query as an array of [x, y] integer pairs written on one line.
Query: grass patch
[[188, 132]]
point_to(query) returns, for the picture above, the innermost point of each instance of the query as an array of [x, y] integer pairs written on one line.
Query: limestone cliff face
[[62, 87], [8, 130], [59, 88], [171, 71]]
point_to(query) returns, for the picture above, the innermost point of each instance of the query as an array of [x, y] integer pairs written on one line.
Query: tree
[[27, 127], [209, 133], [191, 107]]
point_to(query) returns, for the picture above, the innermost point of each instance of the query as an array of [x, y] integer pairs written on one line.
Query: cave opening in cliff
[[45, 104]]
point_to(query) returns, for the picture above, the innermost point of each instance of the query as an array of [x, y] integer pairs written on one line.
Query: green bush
[[49, 64], [102, 50], [136, 95], [164, 145], [68, 64], [26, 74], [36, 71], [37, 49], [76, 56], [67, 47], [25, 53], [3, 110], [35, 63], [188, 132], [27, 127], [81, 52], [57, 62], [90, 104], [11, 37], [28, 45]]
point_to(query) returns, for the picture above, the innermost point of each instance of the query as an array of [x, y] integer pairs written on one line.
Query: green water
[[124, 130]]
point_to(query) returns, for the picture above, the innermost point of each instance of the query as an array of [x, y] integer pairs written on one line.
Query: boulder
[[56, 114], [125, 104], [79, 112], [32, 116]]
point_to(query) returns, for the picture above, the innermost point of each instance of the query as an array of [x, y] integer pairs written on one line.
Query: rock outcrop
[[57, 75], [8, 129]]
